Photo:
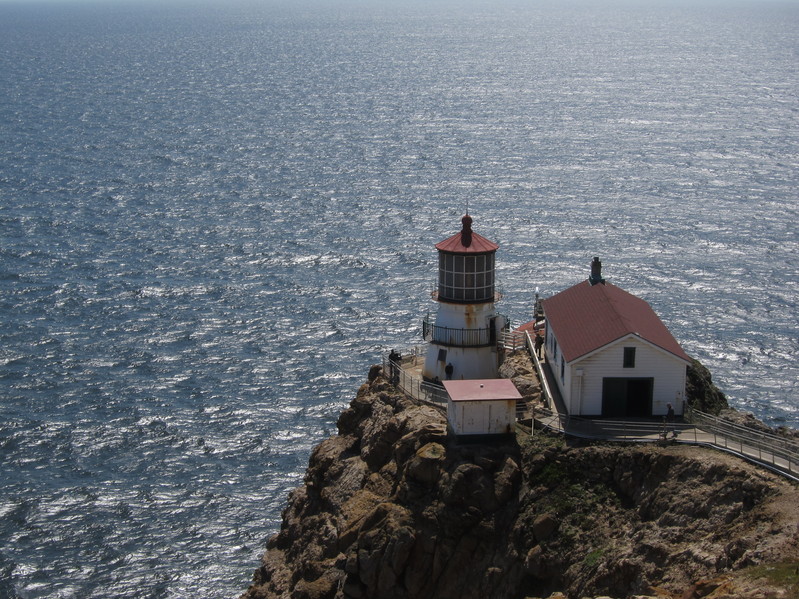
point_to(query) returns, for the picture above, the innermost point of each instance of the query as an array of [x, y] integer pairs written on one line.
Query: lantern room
[[466, 267], [463, 335]]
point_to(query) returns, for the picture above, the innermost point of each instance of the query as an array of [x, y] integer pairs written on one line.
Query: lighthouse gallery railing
[[459, 337]]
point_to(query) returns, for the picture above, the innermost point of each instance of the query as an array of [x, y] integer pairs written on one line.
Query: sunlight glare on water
[[215, 219]]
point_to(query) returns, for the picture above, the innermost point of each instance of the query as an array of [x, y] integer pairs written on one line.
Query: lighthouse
[[463, 337]]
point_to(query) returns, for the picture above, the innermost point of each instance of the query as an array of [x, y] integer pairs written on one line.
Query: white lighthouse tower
[[463, 338]]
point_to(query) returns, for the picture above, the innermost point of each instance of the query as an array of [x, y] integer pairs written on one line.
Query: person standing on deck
[[670, 420]]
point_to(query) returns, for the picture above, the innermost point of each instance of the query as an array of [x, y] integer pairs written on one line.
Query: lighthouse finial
[[466, 233]]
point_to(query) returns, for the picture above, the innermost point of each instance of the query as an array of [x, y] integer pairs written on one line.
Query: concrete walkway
[[785, 461], [776, 454], [772, 452]]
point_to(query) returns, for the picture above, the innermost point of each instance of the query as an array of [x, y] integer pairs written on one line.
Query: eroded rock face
[[700, 391], [394, 508]]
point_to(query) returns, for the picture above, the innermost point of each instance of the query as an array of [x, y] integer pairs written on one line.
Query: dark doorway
[[627, 397]]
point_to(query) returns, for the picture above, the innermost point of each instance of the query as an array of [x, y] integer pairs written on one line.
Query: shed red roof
[[587, 317], [482, 390], [467, 241]]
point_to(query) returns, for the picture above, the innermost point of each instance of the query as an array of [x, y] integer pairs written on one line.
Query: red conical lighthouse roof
[[467, 241]]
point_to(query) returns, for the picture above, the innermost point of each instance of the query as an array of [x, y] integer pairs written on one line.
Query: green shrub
[[592, 559], [785, 574]]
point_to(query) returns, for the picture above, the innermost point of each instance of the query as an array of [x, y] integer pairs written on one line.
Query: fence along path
[[406, 374], [771, 451]]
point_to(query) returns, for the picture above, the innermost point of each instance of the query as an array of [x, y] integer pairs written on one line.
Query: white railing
[[512, 340], [539, 368]]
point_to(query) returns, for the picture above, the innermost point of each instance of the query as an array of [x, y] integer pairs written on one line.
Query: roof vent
[[596, 272], [466, 233]]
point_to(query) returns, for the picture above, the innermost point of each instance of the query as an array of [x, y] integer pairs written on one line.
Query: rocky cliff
[[394, 508]]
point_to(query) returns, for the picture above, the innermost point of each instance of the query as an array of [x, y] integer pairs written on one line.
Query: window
[[442, 355], [466, 278], [629, 357]]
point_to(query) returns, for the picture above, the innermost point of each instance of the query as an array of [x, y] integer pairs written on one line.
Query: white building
[[464, 336], [610, 354], [481, 406]]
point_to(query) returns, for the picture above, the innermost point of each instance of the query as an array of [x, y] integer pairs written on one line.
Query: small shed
[[481, 406]]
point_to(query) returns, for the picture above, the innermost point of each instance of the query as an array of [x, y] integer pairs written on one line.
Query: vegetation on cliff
[[700, 391], [395, 508]]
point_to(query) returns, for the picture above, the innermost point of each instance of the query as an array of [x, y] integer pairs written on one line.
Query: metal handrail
[[773, 451], [710, 422], [412, 386], [768, 450], [460, 337], [777, 453], [762, 446], [550, 401], [512, 340]]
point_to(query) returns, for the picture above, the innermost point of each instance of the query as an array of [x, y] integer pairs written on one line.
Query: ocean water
[[214, 218]]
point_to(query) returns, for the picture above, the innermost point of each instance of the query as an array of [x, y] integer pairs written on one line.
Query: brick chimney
[[596, 272]]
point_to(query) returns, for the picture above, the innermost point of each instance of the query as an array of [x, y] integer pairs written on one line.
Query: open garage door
[[627, 397]]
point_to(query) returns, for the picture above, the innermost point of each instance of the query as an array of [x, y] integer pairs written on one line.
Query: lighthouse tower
[[463, 338]]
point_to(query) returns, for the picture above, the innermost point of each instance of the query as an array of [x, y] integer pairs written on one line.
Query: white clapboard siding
[[582, 395], [482, 417]]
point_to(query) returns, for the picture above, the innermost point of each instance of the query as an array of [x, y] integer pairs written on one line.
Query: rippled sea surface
[[213, 220]]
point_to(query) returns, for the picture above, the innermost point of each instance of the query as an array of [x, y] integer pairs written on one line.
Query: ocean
[[215, 217]]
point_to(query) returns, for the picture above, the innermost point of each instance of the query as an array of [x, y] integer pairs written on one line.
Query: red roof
[[467, 241], [533, 327], [482, 390], [587, 317]]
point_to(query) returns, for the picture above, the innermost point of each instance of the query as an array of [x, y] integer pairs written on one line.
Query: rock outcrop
[[395, 508], [702, 394], [700, 391]]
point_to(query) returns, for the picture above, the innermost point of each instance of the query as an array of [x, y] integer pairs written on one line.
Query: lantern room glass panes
[[466, 278]]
